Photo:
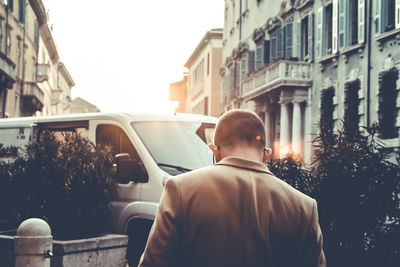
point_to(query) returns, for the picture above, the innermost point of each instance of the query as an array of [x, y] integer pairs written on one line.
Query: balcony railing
[[43, 72], [283, 72], [33, 98]]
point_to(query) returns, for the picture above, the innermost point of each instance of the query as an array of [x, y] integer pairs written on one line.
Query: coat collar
[[243, 163]]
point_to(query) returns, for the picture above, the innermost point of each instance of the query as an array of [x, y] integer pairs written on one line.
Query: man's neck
[[244, 152]]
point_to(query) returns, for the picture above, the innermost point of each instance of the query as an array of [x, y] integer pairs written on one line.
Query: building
[[80, 105], [297, 62], [178, 92], [29, 62], [203, 79]]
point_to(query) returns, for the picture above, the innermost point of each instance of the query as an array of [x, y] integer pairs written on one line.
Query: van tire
[[138, 232]]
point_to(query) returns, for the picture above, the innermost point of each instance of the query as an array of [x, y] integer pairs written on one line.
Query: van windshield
[[177, 146]]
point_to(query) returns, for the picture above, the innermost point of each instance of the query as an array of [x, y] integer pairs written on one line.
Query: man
[[236, 212]]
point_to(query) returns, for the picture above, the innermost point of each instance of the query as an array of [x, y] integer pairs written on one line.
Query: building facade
[[178, 93], [28, 84], [300, 62], [203, 79]]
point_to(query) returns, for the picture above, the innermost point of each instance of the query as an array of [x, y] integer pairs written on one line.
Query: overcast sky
[[123, 54]]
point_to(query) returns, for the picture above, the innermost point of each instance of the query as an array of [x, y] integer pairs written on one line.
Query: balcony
[[33, 98], [43, 72], [283, 73]]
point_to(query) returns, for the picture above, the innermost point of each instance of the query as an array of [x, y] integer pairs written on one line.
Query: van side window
[[115, 137]]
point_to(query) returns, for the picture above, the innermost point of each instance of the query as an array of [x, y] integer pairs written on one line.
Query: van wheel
[[138, 231]]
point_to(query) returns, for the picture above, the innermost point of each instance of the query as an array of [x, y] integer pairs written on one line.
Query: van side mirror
[[129, 169]]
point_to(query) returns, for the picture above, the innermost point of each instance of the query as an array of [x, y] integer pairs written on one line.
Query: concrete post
[[296, 128], [33, 243]]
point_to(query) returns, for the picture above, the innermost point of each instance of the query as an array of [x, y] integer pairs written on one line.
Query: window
[[114, 136], [8, 52], [21, 9], [289, 40], [1, 34], [36, 33], [208, 64], [327, 108], [280, 43], [243, 68], [328, 29], [259, 57], [351, 22], [206, 105], [389, 15], [351, 118], [387, 112], [250, 61], [304, 37], [353, 12]]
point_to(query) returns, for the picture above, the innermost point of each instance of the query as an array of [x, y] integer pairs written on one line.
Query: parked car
[[148, 148]]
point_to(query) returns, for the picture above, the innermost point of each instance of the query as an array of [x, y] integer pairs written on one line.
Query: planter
[[108, 250]]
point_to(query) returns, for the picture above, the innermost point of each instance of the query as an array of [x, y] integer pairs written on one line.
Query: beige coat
[[234, 213]]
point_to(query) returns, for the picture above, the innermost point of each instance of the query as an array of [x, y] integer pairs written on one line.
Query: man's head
[[239, 132]]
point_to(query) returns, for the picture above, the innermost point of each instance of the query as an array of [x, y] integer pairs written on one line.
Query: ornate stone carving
[[258, 35], [273, 24]]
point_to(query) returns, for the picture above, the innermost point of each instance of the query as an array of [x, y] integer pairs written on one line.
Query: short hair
[[240, 125]]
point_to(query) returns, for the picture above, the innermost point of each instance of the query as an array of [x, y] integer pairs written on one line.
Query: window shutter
[[243, 68], [377, 17], [266, 52], [397, 14], [250, 62], [334, 26], [347, 27], [342, 24], [36, 33], [11, 5], [319, 32], [361, 21], [310, 37], [383, 15], [237, 77], [281, 43], [289, 40], [273, 48], [259, 57], [299, 55], [21, 11]]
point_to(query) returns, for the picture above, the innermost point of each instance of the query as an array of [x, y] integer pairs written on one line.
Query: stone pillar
[[308, 133], [267, 123], [296, 128], [284, 131], [33, 243]]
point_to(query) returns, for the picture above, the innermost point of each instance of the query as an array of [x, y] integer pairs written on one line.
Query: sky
[[123, 54]]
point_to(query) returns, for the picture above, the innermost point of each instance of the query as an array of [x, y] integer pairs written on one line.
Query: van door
[[113, 134]]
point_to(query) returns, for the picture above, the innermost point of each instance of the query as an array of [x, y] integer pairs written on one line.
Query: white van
[[149, 148]]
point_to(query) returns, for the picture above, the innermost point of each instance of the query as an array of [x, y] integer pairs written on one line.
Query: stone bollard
[[33, 244]]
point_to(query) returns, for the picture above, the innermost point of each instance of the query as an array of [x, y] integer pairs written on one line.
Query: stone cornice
[[49, 42], [40, 11]]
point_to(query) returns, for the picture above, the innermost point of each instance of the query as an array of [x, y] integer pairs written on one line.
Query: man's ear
[[213, 148], [267, 154]]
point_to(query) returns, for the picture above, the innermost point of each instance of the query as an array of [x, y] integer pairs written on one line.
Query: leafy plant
[[68, 183]]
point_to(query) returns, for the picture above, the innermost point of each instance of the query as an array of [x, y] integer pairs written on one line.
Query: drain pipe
[[369, 36]]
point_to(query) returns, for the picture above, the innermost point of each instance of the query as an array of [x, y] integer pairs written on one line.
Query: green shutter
[[377, 17], [299, 55], [334, 26], [383, 15], [36, 33], [342, 24], [361, 21], [11, 5], [259, 57], [280, 43], [320, 32], [289, 40], [310, 37], [250, 62], [397, 14]]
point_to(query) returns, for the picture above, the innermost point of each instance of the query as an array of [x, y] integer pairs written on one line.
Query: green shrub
[[68, 183], [357, 186]]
